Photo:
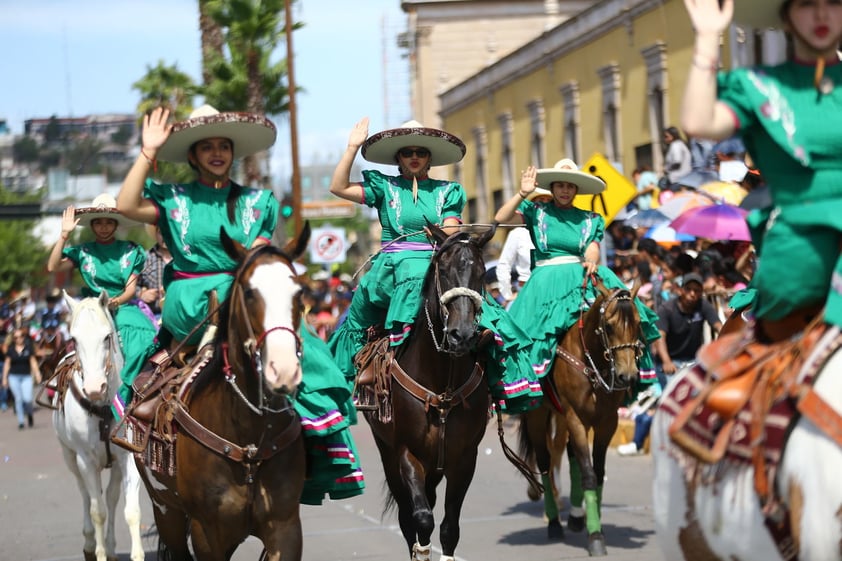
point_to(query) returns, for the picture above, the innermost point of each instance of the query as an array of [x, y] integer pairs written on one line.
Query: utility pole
[[293, 123]]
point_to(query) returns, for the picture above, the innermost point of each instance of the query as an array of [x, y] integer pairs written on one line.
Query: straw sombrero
[[103, 206], [250, 133], [567, 170], [444, 148], [538, 193]]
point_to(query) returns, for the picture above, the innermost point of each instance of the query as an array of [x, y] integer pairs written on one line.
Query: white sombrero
[[759, 14], [539, 192], [103, 206], [250, 133], [567, 170], [444, 148]]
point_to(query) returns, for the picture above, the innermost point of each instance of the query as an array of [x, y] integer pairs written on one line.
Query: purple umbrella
[[719, 222]]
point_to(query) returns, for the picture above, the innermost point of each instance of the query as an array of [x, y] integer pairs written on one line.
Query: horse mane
[[212, 371]]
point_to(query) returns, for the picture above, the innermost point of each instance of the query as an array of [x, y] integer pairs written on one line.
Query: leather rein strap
[[443, 402], [105, 418], [251, 455]]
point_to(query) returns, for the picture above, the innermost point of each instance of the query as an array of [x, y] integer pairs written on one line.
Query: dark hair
[[236, 189]]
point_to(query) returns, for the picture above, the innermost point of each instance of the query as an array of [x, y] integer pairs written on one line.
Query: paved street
[[40, 510]]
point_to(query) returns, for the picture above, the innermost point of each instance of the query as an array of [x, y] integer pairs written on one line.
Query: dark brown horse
[[595, 367], [440, 399], [239, 457]]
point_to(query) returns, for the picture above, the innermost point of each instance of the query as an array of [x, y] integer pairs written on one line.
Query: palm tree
[[166, 86], [248, 79]]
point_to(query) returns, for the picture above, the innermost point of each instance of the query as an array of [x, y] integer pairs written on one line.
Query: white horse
[[82, 420], [721, 518]]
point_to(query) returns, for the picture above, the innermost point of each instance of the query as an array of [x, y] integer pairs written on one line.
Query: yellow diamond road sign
[[619, 190]]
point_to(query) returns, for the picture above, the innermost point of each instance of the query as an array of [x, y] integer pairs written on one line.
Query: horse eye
[[249, 293]]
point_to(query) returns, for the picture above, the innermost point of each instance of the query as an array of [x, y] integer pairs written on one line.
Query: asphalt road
[[41, 518]]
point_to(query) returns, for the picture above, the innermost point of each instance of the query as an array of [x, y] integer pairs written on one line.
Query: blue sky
[[81, 57]]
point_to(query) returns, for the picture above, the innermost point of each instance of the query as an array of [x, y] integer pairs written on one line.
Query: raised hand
[[69, 220], [156, 130], [527, 180], [359, 133], [708, 17]]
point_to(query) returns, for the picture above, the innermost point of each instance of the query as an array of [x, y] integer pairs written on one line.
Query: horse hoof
[[575, 523], [554, 531], [89, 555], [596, 545]]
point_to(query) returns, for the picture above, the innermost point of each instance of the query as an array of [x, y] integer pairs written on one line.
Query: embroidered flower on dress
[[777, 109]]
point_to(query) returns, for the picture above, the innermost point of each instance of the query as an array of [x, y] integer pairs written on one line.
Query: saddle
[[373, 383], [56, 385], [740, 375]]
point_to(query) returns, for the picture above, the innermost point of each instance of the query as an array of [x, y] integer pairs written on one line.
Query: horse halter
[[252, 342], [446, 298], [608, 350]]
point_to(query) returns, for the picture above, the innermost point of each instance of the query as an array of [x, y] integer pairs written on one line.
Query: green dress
[[390, 293], [794, 136], [550, 301], [108, 267], [190, 217]]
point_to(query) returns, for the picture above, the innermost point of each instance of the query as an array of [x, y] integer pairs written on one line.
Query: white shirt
[[516, 253]]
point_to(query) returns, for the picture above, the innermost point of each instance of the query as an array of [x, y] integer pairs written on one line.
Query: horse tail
[[526, 459]]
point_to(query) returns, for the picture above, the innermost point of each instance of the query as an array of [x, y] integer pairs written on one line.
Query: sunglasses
[[420, 152]]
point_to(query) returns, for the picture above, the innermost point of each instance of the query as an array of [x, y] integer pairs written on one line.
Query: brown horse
[[239, 457], [440, 398], [595, 368]]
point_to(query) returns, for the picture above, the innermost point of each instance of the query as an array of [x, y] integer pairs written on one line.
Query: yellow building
[[606, 81]]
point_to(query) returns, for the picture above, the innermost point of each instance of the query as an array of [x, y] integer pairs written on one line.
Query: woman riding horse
[[189, 217], [389, 295], [110, 265]]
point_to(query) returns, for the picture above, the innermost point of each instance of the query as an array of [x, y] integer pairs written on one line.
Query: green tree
[[52, 133], [166, 86], [24, 256], [25, 150]]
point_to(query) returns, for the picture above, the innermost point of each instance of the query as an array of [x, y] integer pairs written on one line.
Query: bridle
[[448, 296], [253, 342], [609, 351]]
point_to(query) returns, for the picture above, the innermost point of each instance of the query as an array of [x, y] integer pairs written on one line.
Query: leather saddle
[[742, 374]]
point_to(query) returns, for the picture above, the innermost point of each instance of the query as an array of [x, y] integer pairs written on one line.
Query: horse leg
[[576, 518], [172, 533], [205, 548], [459, 478], [579, 435], [418, 516], [112, 496], [89, 547], [538, 430], [131, 511]]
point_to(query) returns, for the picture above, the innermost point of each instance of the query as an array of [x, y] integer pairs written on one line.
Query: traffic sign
[[619, 191], [329, 209], [328, 245]]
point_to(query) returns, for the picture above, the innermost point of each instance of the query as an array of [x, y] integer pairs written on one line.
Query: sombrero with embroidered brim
[[567, 170], [444, 147], [251, 133], [103, 206], [759, 14]]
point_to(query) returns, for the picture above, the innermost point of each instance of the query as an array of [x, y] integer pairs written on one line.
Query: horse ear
[[295, 248], [72, 303], [233, 248], [600, 286], [103, 299], [435, 232], [635, 287], [483, 239]]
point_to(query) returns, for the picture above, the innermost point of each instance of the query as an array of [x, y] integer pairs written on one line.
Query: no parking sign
[[328, 245]]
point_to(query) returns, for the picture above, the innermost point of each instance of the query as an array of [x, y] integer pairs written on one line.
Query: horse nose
[[459, 339], [95, 392], [283, 378]]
